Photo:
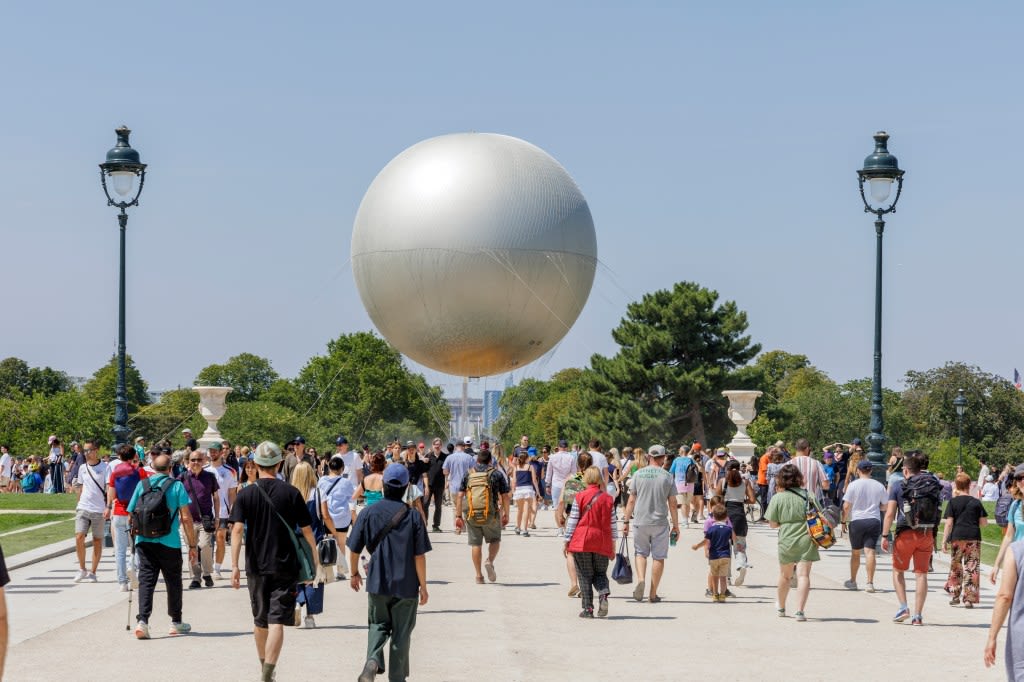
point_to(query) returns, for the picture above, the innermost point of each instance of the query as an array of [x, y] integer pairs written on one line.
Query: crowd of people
[[306, 519]]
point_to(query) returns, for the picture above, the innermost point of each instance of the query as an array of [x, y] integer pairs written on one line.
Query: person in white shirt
[[989, 491], [336, 491], [353, 470], [92, 511], [6, 468], [227, 479], [863, 503], [815, 481], [561, 465], [600, 461]]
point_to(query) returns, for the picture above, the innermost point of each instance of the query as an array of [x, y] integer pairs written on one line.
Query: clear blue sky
[[715, 142]]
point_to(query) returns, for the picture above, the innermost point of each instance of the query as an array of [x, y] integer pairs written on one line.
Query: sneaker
[[602, 605], [587, 613], [741, 577], [526, 533], [870, 588], [850, 584], [561, 533], [901, 615], [955, 601], [91, 578], [728, 593], [707, 593], [916, 620], [179, 629], [533, 526], [517, 531], [124, 587], [370, 671], [194, 585], [435, 529], [309, 623], [82, 576], [799, 616], [218, 575], [781, 613], [141, 630], [638, 591], [208, 581], [339, 576]]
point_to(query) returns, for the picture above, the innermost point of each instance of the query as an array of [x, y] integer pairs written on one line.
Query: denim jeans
[[122, 548]]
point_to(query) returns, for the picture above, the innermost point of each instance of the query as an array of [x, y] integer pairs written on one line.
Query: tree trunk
[[697, 422]]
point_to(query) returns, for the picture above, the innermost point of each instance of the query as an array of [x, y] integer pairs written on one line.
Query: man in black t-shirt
[[271, 563], [435, 483], [4, 579]]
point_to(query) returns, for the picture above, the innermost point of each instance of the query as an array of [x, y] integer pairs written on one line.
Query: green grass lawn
[[9, 522], [22, 542], [38, 501]]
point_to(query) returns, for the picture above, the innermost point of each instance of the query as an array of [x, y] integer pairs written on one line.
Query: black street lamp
[[880, 171], [122, 167], [960, 403]]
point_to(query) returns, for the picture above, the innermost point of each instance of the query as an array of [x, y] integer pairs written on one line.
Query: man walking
[[815, 481], [652, 503], [561, 466], [455, 467], [227, 487], [267, 512], [914, 505], [162, 555], [435, 483], [396, 578], [353, 470], [486, 494], [91, 512], [864, 499], [684, 471], [204, 504]]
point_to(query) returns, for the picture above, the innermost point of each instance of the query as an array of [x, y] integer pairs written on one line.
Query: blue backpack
[[124, 486]]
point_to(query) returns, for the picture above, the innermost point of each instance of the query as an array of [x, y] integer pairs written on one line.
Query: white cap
[[467, 441]]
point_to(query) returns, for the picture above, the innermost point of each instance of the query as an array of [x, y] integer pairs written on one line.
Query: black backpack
[[691, 473], [152, 518], [921, 500], [1003, 506]]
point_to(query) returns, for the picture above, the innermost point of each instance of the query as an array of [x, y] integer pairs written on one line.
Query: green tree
[[102, 387], [166, 418], [677, 350], [362, 381], [259, 420], [250, 375], [14, 378], [48, 381]]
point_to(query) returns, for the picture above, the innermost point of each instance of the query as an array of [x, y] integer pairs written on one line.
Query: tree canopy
[[249, 375]]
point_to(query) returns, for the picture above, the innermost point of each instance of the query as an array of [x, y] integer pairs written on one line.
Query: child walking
[[717, 544]]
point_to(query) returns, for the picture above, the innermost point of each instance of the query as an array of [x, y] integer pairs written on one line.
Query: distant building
[[492, 408], [469, 424]]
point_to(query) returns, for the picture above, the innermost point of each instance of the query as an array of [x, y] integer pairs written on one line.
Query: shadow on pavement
[[248, 633], [640, 618], [844, 620], [527, 584], [427, 613]]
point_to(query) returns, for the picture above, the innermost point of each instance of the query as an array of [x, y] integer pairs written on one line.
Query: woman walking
[[737, 493], [336, 493], [590, 535], [524, 492], [965, 516], [797, 551], [371, 490], [311, 596]]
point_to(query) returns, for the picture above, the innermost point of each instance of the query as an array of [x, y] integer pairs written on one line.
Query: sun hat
[[267, 454]]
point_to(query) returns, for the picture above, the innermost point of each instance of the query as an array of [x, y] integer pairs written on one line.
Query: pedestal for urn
[[212, 405], [742, 412]]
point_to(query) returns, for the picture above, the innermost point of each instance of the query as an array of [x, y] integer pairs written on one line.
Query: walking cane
[[131, 586]]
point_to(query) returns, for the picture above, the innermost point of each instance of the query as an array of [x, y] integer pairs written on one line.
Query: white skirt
[[524, 494]]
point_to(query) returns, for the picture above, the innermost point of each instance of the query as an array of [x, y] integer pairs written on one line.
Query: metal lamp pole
[[960, 403], [122, 167], [880, 171]]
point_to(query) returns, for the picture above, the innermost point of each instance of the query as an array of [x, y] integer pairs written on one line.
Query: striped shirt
[[813, 473]]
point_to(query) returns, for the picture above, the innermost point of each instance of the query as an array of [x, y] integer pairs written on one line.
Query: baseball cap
[[828, 455], [299, 439], [396, 475], [467, 441], [215, 445], [780, 444], [140, 439], [656, 451], [267, 454], [864, 465], [50, 440], [188, 431], [856, 441], [531, 451], [410, 444], [720, 452], [341, 440], [1019, 471], [989, 479], [563, 443]]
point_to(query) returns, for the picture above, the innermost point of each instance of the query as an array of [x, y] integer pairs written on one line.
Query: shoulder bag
[[327, 547], [303, 552], [818, 527]]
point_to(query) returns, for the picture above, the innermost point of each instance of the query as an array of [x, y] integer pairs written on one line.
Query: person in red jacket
[[590, 535]]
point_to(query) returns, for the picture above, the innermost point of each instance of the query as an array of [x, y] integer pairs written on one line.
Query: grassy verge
[[9, 522], [23, 542], [38, 501]]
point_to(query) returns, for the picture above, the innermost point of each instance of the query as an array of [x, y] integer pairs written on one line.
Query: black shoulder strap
[[395, 520], [331, 486], [103, 488]]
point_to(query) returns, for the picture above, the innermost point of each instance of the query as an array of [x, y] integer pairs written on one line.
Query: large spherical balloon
[[473, 253]]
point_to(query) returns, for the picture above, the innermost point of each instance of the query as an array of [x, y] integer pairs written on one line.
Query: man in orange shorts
[[914, 505]]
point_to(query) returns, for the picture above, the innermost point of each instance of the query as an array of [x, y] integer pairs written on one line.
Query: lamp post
[[960, 403], [880, 171], [122, 167]]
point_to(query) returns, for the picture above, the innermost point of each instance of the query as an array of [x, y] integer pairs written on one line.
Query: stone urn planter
[[742, 412], [212, 405]]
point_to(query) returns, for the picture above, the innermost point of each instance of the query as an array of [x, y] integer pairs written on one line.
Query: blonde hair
[[592, 476], [304, 479]]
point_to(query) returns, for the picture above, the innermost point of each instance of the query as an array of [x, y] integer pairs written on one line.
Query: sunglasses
[[195, 460]]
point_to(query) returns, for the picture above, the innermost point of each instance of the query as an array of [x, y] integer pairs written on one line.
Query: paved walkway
[[524, 627]]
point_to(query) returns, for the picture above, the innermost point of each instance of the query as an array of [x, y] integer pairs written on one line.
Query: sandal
[[479, 580], [653, 600]]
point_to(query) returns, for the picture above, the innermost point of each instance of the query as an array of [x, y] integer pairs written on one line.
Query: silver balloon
[[473, 253]]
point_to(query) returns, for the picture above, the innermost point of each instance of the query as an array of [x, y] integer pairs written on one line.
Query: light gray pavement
[[524, 627]]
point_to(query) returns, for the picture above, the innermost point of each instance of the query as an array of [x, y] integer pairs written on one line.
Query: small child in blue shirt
[[717, 544]]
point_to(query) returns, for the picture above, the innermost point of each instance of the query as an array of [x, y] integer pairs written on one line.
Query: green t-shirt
[[789, 511], [176, 498]]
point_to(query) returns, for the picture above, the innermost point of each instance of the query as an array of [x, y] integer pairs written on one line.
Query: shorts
[[224, 524], [684, 498], [556, 493], [341, 530], [719, 568], [272, 598], [651, 541], [684, 488], [913, 544], [864, 533], [86, 519], [524, 494], [5, 481], [490, 531]]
